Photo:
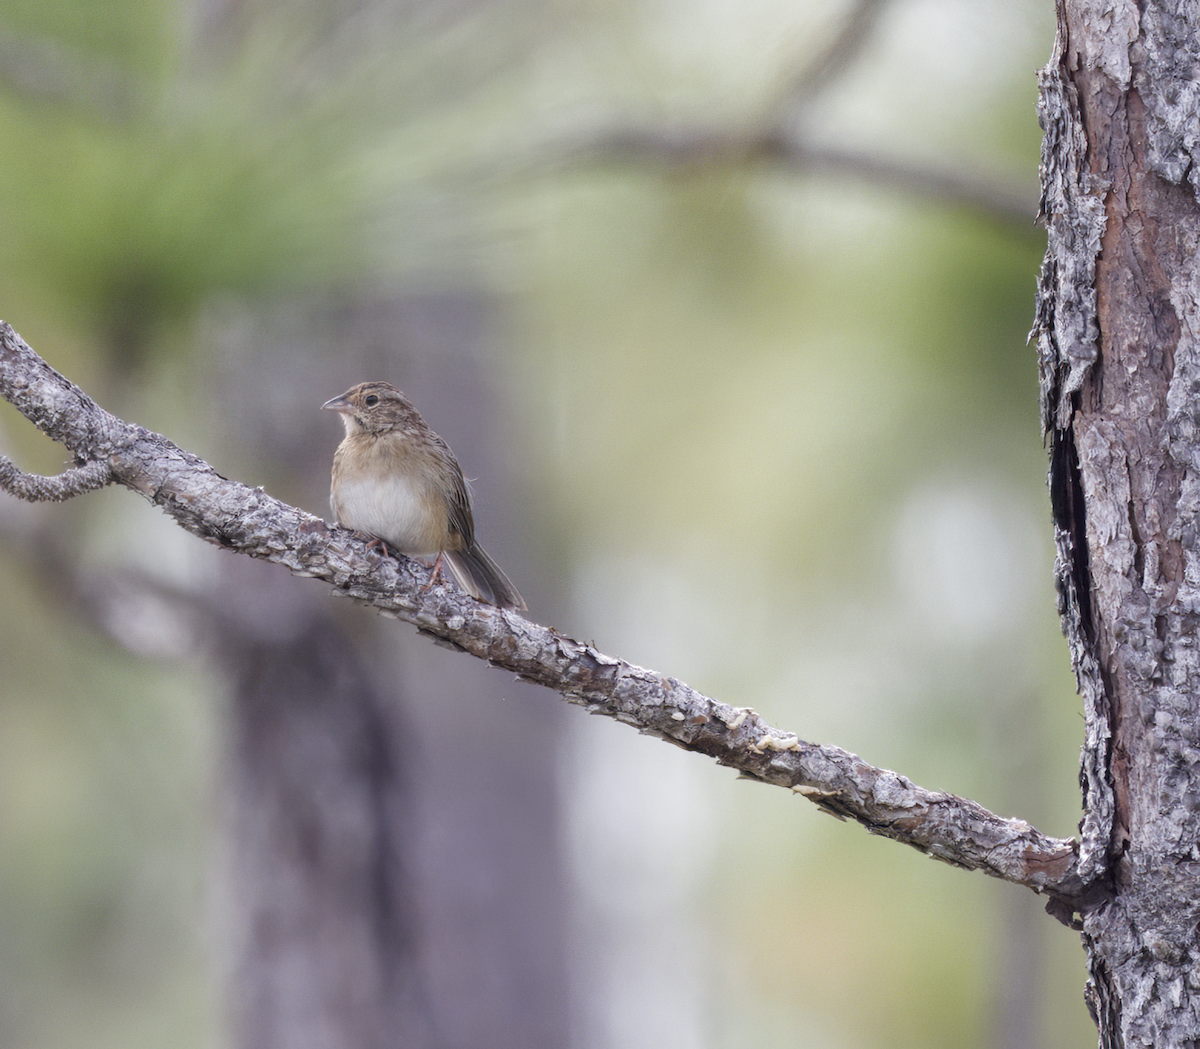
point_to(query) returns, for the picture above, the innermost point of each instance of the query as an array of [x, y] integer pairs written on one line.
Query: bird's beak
[[337, 404]]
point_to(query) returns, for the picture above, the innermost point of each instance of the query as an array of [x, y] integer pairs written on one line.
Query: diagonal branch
[[248, 521], [837, 55]]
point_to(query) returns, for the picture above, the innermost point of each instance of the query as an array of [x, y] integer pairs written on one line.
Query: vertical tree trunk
[[1117, 325], [322, 886]]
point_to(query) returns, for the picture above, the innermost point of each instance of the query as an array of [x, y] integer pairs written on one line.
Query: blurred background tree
[[725, 307]]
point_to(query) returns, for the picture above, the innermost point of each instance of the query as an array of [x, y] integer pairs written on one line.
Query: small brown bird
[[397, 480]]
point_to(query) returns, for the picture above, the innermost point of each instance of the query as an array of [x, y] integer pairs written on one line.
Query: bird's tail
[[481, 577]]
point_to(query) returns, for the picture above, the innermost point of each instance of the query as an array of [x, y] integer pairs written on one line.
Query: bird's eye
[[371, 400]]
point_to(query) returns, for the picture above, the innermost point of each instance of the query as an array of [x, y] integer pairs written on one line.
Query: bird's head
[[372, 407]]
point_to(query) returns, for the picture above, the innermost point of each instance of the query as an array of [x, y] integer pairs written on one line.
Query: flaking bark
[[1117, 321]]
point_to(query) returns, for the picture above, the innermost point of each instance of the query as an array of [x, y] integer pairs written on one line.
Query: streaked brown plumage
[[397, 480]]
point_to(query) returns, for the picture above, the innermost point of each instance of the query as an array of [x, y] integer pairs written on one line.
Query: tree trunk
[[381, 896], [1117, 325], [321, 889]]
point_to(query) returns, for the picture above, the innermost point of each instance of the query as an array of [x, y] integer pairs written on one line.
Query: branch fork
[[73, 481]]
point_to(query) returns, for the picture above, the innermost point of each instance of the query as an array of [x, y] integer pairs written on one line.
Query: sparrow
[[398, 481]]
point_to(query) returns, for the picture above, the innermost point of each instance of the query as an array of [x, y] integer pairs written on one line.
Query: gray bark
[[1117, 324]]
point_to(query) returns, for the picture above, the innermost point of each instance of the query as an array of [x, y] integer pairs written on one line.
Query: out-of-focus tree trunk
[[320, 894], [1117, 327], [380, 898]]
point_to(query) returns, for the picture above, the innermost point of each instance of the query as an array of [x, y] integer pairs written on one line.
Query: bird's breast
[[398, 508]]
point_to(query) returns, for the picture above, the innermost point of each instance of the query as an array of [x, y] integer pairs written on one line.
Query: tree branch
[[696, 147], [247, 520], [73, 481], [838, 54]]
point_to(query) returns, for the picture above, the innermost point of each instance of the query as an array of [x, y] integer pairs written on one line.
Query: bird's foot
[[435, 575], [375, 543]]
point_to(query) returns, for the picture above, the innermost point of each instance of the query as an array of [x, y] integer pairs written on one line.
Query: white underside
[[391, 509]]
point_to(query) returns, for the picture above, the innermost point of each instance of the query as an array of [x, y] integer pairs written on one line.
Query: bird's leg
[[435, 574]]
